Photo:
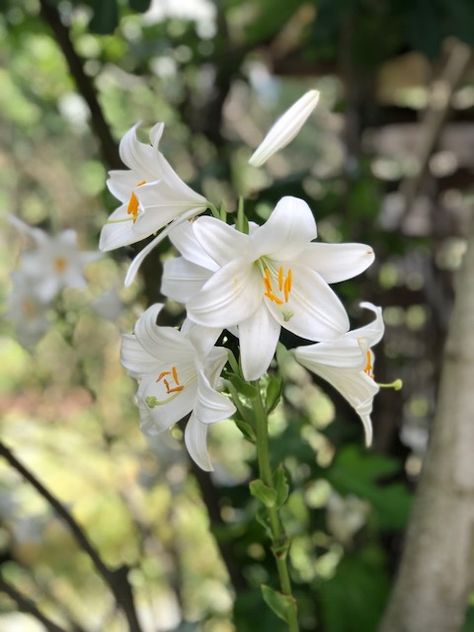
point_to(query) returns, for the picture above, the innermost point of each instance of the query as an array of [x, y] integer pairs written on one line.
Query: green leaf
[[355, 471], [243, 387], [343, 600], [282, 487], [139, 5], [281, 604], [263, 493], [262, 519], [246, 429], [274, 390], [105, 17]]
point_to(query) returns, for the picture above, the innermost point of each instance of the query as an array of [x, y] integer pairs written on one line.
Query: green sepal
[[282, 605], [282, 487], [266, 495], [274, 391], [246, 429]]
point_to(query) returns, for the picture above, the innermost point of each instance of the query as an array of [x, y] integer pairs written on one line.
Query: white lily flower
[[348, 364], [151, 193], [55, 263], [178, 372], [285, 128], [274, 277], [27, 313]]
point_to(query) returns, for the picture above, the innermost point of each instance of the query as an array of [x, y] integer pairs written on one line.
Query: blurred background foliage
[[386, 159]]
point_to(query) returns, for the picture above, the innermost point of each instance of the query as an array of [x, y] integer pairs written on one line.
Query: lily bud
[[285, 128]]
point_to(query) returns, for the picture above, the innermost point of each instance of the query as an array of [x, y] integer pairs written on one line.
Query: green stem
[[278, 533]]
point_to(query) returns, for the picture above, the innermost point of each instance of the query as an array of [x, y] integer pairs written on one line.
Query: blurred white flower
[[286, 128], [25, 310], [178, 372], [108, 305], [347, 363], [54, 263], [274, 277], [152, 196]]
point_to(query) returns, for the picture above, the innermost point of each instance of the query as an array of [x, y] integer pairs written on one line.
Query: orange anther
[[175, 389], [280, 278], [132, 208], [162, 375], [368, 365], [175, 375]]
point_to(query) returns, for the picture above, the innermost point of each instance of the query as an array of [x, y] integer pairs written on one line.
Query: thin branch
[[84, 84], [435, 116], [117, 578], [27, 605]]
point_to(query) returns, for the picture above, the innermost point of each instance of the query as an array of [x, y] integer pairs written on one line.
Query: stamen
[[280, 278], [162, 375], [284, 285], [368, 369]]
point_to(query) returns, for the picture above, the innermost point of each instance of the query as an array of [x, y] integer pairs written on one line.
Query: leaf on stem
[[282, 605], [282, 487], [265, 494]]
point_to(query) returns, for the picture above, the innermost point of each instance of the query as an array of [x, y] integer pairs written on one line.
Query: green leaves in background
[[355, 471]]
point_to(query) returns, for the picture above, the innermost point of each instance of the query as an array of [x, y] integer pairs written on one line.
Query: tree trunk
[[436, 573]]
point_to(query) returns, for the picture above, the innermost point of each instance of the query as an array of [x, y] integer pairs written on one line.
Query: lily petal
[[211, 406], [287, 231], [345, 352], [186, 243], [285, 128], [203, 340], [138, 260], [219, 240], [121, 182], [337, 262], [258, 340], [182, 280], [230, 296], [171, 411], [167, 344], [195, 438], [138, 156], [313, 310], [117, 231], [135, 358], [374, 331]]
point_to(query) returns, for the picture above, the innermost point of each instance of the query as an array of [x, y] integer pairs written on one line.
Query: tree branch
[[435, 116], [436, 574], [27, 605], [84, 84], [116, 579]]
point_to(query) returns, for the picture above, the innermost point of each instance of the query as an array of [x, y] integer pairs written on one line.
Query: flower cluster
[[53, 263], [242, 278]]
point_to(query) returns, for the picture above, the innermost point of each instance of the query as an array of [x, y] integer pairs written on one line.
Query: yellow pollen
[[60, 264], [284, 285], [132, 208]]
